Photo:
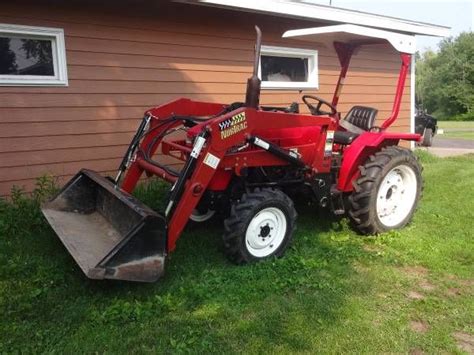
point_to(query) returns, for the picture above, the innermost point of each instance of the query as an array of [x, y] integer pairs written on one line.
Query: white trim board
[[56, 35], [302, 10]]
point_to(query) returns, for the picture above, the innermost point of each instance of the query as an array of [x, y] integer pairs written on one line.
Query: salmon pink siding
[[124, 60]]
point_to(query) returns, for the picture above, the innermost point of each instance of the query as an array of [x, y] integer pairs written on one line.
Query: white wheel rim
[[396, 195], [197, 216], [265, 232]]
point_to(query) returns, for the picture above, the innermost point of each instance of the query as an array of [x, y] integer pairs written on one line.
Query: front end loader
[[244, 161]]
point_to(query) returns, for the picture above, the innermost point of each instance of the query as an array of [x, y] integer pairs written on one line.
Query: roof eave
[[320, 12], [351, 34]]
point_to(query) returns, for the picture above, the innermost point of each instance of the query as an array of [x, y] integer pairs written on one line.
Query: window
[[288, 68], [32, 56]]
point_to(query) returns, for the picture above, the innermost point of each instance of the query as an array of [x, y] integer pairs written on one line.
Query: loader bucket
[[108, 232]]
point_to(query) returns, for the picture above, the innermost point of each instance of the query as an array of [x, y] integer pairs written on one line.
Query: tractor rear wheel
[[260, 226], [387, 192]]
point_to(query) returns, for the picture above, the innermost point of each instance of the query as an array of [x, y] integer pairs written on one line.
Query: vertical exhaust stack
[[252, 97]]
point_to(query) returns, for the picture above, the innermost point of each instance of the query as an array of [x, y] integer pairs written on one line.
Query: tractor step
[[337, 202], [108, 232]]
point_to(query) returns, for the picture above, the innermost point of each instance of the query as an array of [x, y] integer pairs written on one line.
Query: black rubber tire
[[427, 138], [241, 214], [199, 219], [362, 202]]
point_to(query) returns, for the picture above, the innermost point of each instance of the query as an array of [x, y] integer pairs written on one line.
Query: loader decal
[[233, 125]]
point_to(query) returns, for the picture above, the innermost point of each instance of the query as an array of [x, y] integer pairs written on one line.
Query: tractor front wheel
[[198, 216], [260, 226], [387, 192]]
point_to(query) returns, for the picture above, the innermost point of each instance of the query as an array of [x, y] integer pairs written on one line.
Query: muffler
[[109, 233]]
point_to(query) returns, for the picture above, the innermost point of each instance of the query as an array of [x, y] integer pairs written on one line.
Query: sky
[[457, 14]]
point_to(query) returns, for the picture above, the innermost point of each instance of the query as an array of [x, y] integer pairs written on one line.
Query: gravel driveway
[[445, 147]]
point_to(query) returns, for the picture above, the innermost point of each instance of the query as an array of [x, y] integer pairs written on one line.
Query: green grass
[[333, 292], [469, 135], [457, 129], [456, 125]]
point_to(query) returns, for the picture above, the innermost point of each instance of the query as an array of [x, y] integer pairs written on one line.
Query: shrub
[[22, 210], [468, 116]]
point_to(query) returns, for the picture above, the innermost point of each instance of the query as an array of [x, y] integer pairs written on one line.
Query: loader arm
[[216, 136], [209, 149], [193, 190]]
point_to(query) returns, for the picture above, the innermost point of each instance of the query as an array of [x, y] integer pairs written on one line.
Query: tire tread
[[242, 211], [361, 212]]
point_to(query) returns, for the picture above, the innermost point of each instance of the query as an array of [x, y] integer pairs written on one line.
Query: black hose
[[146, 154]]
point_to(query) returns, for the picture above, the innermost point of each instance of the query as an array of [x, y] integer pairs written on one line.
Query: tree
[[38, 49], [41, 55], [8, 57], [445, 80]]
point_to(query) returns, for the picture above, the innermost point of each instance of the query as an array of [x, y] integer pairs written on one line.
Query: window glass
[[32, 56], [284, 69], [25, 56]]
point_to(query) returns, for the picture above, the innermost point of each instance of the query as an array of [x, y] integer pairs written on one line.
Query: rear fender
[[358, 152]]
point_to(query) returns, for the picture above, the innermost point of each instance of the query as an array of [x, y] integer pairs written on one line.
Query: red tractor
[[242, 159]]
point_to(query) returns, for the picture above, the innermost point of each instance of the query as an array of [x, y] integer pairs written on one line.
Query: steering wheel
[[316, 110]]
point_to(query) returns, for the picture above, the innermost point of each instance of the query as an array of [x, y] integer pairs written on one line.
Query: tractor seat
[[359, 119]]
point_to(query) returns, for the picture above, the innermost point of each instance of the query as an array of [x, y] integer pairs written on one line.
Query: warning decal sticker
[[211, 160]]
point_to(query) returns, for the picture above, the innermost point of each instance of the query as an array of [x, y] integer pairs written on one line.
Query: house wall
[[125, 59]]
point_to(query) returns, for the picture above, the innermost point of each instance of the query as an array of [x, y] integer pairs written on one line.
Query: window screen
[[24, 56], [287, 69]]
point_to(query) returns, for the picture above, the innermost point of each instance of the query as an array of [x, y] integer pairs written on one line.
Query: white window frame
[[56, 35], [313, 73]]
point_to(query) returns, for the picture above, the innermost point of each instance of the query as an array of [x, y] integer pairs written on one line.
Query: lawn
[[334, 291], [456, 125], [457, 129], [468, 135]]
